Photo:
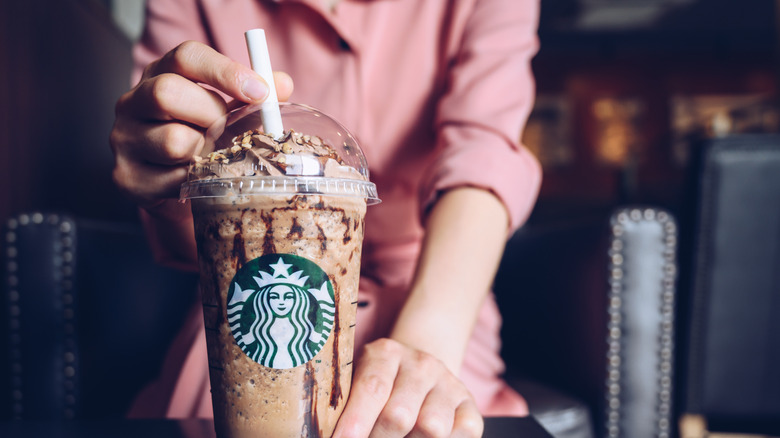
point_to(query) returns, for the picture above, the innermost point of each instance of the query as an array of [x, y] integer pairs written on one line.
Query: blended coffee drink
[[279, 227]]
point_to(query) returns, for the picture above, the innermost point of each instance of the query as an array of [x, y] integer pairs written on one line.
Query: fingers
[[398, 391], [167, 144], [146, 184], [160, 124], [202, 64], [169, 97], [436, 416], [448, 411], [284, 86], [150, 159], [169, 88], [372, 385], [414, 385], [468, 421]]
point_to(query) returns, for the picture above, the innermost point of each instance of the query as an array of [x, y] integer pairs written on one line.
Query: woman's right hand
[[160, 123]]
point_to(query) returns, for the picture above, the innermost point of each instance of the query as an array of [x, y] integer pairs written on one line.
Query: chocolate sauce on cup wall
[[279, 258]]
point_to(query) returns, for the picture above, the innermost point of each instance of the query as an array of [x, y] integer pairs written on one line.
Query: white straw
[[261, 63]]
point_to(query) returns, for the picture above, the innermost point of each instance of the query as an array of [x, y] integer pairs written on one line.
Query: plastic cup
[[279, 246]]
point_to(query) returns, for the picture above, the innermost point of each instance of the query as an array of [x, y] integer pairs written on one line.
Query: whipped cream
[[255, 153]]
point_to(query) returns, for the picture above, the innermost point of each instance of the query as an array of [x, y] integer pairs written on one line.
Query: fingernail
[[254, 89]]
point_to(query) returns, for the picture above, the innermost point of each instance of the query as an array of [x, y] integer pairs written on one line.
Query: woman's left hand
[[398, 391]]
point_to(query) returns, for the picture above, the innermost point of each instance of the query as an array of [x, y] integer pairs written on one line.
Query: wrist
[[434, 330]]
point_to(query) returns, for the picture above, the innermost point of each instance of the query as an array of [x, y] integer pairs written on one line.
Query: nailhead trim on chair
[[67, 228], [615, 325], [14, 323], [64, 259]]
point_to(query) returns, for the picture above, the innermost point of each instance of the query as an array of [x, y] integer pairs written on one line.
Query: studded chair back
[[588, 309], [641, 307], [90, 316]]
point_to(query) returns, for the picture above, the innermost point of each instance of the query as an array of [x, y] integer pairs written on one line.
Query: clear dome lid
[[316, 154]]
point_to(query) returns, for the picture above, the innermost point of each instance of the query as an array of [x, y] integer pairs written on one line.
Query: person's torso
[[376, 66]]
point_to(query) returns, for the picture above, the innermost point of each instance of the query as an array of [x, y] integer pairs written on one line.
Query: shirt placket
[[346, 25]]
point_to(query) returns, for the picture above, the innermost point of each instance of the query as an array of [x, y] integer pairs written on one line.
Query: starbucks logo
[[281, 310]]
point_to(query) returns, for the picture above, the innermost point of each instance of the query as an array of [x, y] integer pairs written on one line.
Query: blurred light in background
[[128, 16]]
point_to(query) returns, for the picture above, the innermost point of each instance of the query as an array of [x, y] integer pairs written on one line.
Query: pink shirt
[[437, 93]]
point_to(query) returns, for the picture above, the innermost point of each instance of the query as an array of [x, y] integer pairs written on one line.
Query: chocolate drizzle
[[268, 240], [335, 392], [239, 249], [323, 239], [295, 229], [208, 271], [347, 234], [311, 423]]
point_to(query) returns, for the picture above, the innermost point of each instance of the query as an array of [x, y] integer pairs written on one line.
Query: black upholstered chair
[[588, 309], [732, 266], [87, 315]]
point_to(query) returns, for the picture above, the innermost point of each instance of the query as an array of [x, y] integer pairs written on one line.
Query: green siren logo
[[281, 314]]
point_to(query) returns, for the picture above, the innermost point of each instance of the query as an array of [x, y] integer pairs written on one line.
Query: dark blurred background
[[625, 87], [64, 64]]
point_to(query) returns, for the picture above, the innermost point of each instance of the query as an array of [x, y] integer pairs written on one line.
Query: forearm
[[465, 236]]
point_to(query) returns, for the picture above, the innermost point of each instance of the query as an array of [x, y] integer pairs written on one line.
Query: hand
[[398, 391], [160, 123]]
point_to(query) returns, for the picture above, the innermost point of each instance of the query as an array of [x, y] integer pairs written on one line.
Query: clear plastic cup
[[279, 228]]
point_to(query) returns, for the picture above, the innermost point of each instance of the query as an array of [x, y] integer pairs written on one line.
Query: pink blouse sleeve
[[480, 117], [168, 24]]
